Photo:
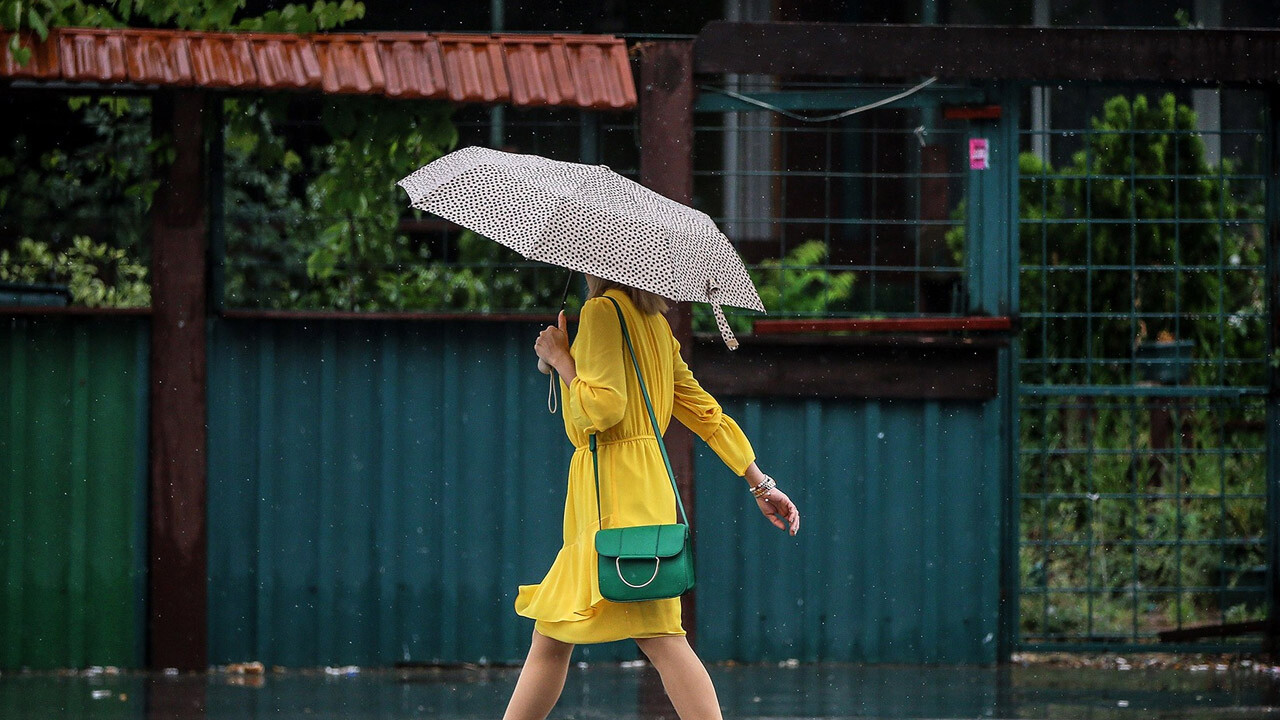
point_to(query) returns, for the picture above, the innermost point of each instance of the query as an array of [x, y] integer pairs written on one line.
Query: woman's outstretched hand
[[777, 507], [552, 346]]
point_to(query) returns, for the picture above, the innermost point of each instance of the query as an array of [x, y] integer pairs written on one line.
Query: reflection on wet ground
[[623, 693]]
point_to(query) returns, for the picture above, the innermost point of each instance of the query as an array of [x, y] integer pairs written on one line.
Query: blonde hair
[[645, 301]]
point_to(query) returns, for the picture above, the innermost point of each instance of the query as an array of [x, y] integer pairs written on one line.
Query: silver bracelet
[[759, 491]]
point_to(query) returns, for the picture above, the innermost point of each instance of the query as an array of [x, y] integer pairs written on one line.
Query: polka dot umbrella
[[590, 219]]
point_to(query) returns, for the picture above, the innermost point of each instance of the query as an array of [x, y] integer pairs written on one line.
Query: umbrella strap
[[553, 397], [725, 331]]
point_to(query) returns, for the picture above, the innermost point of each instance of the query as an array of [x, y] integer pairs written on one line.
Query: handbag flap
[[642, 541]]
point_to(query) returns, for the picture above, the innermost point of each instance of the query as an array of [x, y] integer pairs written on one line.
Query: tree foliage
[[315, 222], [37, 16], [73, 211], [104, 181], [74, 208], [1158, 210], [96, 274], [797, 284]]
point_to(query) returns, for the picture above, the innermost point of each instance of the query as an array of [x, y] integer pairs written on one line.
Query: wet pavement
[[626, 693]]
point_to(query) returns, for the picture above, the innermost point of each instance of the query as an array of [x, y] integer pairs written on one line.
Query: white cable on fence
[[819, 118]]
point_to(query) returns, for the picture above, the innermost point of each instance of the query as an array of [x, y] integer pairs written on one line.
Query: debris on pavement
[[1193, 662]]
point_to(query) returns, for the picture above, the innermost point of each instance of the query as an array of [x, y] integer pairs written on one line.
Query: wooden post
[[177, 540], [666, 167]]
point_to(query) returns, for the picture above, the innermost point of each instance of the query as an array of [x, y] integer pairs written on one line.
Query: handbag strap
[[653, 419]]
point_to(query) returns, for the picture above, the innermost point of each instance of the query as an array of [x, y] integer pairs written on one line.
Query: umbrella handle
[[543, 367]]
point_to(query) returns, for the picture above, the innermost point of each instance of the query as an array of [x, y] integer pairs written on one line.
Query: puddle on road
[[626, 693]]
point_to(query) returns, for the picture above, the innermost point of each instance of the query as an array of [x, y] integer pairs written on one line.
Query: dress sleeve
[[698, 411], [597, 397]]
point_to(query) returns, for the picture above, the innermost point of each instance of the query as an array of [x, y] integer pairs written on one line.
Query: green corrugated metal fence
[[379, 489], [72, 489], [898, 557]]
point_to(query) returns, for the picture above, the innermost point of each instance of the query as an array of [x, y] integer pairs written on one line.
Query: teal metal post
[[992, 214], [991, 256]]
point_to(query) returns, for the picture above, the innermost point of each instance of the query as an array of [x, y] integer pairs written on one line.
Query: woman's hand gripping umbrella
[[552, 347]]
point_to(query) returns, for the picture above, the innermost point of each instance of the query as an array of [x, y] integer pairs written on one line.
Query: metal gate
[[1143, 371]]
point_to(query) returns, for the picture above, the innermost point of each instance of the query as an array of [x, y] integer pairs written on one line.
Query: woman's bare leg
[[684, 677], [541, 679]]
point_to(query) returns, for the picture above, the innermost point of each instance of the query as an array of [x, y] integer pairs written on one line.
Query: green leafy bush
[[316, 224], [799, 284], [96, 274], [101, 186]]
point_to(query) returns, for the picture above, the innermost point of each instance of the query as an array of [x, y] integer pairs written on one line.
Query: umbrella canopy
[[590, 219]]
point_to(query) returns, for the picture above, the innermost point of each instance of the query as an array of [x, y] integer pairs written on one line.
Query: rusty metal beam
[[959, 52], [912, 368], [68, 311], [177, 539], [890, 325], [666, 167]]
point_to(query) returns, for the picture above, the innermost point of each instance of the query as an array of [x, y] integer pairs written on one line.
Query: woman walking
[[603, 398]]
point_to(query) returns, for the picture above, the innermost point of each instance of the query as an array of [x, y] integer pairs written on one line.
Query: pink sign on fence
[[977, 153]]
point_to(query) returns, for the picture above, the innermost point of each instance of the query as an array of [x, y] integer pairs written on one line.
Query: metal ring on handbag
[[617, 563]]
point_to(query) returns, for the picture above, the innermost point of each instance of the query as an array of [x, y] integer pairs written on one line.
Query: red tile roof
[[412, 66], [91, 55], [156, 59], [217, 62], [540, 72], [349, 64], [584, 71], [43, 64], [601, 70], [284, 62], [474, 67]]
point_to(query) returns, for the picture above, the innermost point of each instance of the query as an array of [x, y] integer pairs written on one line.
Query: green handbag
[[645, 562]]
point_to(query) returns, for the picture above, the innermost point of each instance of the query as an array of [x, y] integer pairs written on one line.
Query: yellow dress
[[605, 399]]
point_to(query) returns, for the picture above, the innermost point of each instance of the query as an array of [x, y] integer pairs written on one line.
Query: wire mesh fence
[[859, 215], [1143, 372]]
